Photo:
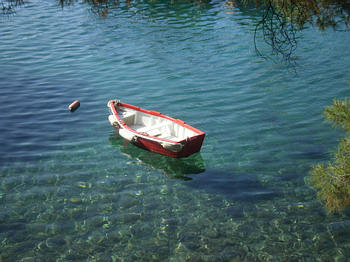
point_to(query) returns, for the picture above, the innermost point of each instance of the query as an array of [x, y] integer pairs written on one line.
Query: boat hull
[[188, 148], [176, 149]]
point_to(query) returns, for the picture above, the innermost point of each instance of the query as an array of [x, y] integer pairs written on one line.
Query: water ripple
[[71, 190]]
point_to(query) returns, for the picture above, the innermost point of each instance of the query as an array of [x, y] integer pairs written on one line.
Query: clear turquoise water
[[70, 190]]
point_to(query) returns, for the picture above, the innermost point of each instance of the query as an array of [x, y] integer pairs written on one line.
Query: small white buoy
[[73, 106]]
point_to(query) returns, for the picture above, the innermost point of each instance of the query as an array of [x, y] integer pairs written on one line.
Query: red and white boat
[[154, 131]]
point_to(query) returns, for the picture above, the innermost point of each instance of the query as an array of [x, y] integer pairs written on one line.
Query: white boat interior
[[153, 125]]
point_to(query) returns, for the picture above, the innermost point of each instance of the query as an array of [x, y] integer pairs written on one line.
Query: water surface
[[71, 190]]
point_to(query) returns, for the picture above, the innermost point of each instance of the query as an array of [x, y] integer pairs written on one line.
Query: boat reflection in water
[[233, 185], [178, 167]]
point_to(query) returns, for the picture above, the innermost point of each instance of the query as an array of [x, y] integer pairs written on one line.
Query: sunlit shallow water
[[71, 190]]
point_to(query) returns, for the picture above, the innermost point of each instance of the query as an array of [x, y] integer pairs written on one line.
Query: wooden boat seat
[[125, 113], [127, 116], [151, 130], [174, 138]]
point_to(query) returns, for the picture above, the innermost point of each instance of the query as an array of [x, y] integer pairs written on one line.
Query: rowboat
[[154, 131]]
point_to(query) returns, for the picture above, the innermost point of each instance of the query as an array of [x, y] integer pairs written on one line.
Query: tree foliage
[[339, 113], [8, 6], [332, 180], [282, 19]]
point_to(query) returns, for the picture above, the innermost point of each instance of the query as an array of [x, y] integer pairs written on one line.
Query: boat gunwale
[[157, 114]]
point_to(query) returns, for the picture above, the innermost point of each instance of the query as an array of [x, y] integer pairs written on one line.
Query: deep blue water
[[71, 190]]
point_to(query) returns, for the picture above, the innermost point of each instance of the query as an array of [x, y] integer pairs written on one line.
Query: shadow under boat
[[230, 184], [178, 167]]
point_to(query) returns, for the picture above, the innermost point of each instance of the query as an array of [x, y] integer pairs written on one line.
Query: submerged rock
[[75, 200], [84, 185], [54, 242], [340, 229], [28, 259], [131, 217], [127, 201]]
